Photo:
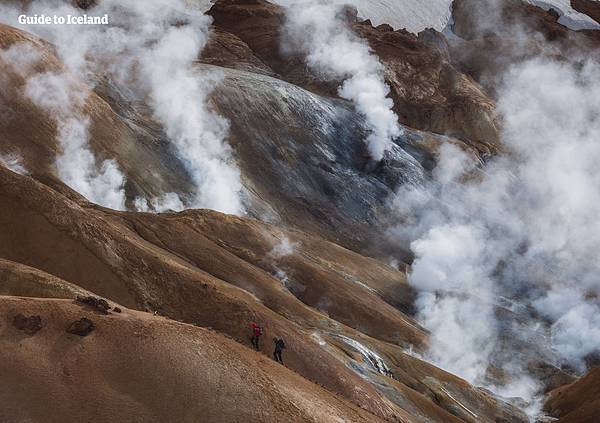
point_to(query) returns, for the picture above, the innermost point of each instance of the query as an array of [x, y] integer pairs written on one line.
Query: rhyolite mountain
[[187, 284]]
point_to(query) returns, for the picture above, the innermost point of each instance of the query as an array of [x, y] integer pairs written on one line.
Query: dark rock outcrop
[[30, 325], [81, 327], [84, 4], [99, 304]]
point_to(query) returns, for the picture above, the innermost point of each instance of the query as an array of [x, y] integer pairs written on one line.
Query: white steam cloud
[[522, 233], [179, 100], [63, 99], [59, 96], [13, 162], [165, 203], [318, 29], [464, 332], [283, 248], [152, 46]]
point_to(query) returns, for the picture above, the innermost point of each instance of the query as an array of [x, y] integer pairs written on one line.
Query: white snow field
[[569, 17], [413, 15], [416, 15]]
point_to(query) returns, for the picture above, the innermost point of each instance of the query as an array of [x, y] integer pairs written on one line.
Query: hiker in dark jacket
[[279, 347], [256, 332]]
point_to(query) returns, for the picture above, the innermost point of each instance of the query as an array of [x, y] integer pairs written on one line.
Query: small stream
[[371, 358]]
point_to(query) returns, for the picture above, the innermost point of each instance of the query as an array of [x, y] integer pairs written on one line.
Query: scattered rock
[[30, 325], [98, 303], [554, 13], [84, 4], [385, 28], [81, 327], [117, 310]]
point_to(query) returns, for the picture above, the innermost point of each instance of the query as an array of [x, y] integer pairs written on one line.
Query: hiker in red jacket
[[256, 332]]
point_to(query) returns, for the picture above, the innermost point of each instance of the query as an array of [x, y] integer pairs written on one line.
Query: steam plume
[[179, 99], [318, 29], [63, 100], [283, 248], [58, 95], [520, 234], [13, 162], [153, 46]]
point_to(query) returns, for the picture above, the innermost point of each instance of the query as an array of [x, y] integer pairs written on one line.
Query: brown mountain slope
[[49, 232], [429, 93], [127, 258], [227, 50], [20, 280], [135, 367], [244, 253], [331, 193], [588, 7], [578, 402], [30, 132]]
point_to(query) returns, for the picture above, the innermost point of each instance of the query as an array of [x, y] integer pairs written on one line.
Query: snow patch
[[412, 15], [570, 18], [417, 15]]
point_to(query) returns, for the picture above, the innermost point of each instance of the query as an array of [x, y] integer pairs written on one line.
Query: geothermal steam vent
[[299, 211]]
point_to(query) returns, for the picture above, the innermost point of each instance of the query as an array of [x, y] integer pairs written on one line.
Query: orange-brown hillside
[[308, 261], [138, 367], [578, 402], [213, 270]]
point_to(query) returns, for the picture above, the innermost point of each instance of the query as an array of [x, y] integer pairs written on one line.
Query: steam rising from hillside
[[318, 29], [58, 95], [63, 100], [522, 231], [179, 99], [13, 162], [152, 46], [283, 248]]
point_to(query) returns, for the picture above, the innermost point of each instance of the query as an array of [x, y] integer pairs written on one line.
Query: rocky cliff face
[[310, 258]]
